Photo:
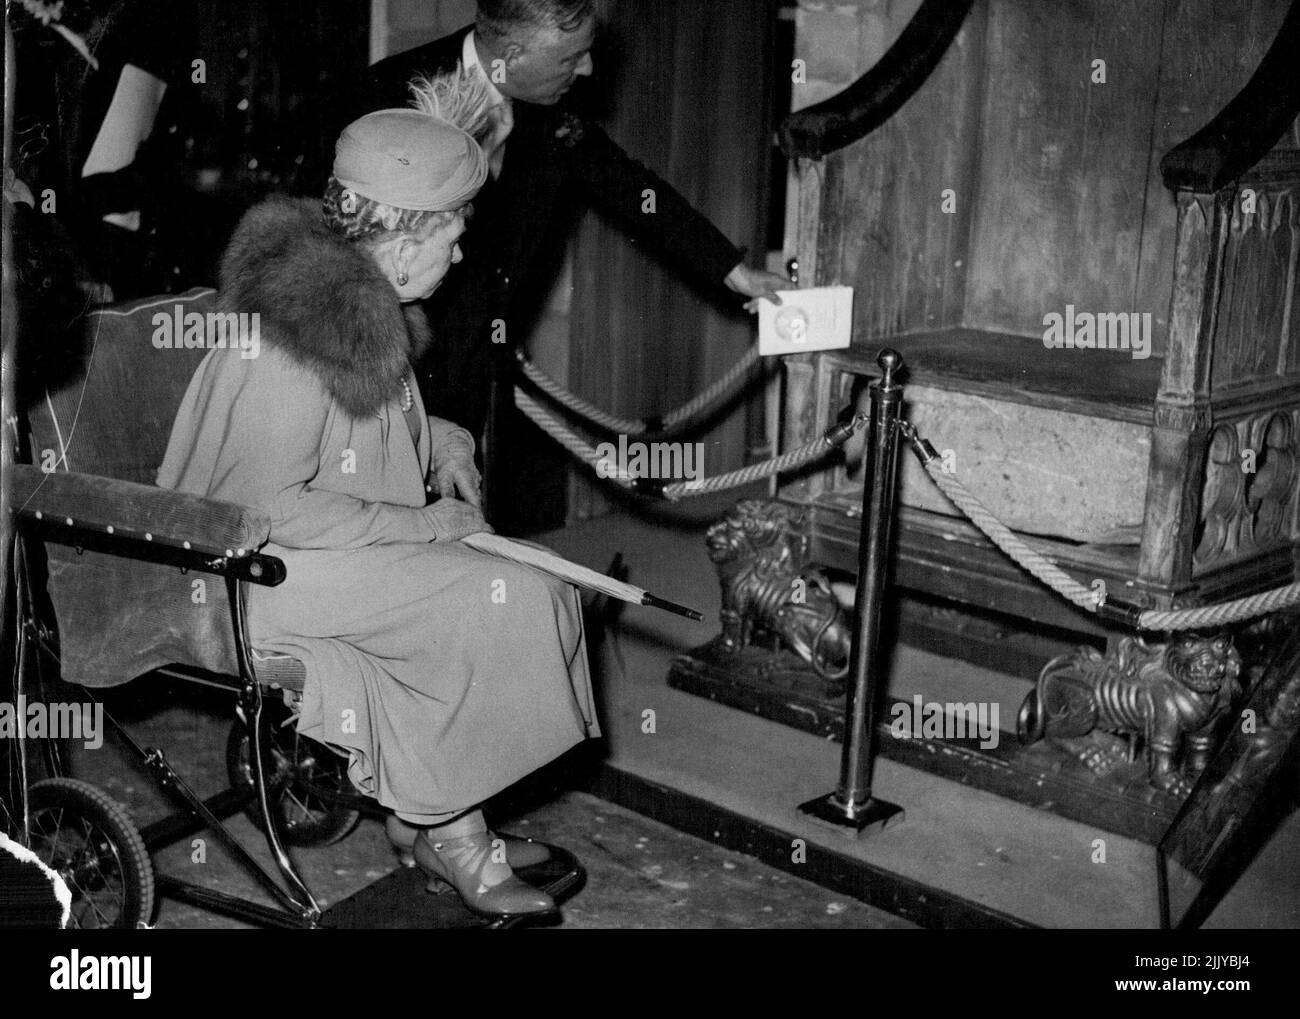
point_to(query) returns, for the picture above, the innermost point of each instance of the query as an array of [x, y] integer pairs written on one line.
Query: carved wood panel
[[1252, 488], [1254, 341], [1199, 74]]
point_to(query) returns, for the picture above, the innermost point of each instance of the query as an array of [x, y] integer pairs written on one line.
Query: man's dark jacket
[[519, 226]]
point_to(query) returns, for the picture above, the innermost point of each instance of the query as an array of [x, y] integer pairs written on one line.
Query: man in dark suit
[[531, 53]]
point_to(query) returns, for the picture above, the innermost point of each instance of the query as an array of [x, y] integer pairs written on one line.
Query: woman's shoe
[[520, 853], [461, 862]]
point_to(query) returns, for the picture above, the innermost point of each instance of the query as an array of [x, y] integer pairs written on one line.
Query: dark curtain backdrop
[[258, 115], [220, 143], [688, 88]]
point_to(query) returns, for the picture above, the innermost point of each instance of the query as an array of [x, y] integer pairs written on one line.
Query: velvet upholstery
[[99, 436], [141, 511]]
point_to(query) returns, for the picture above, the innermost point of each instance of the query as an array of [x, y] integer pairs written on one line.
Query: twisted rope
[[674, 421], [578, 447], [997, 532], [570, 439], [1209, 616], [790, 461], [1203, 617]]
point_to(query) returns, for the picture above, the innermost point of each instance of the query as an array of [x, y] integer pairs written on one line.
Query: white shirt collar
[[469, 57]]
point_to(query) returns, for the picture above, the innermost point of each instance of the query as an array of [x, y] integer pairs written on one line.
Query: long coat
[[553, 156], [443, 674]]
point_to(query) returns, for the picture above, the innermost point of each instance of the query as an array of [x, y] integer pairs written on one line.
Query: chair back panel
[[113, 415]]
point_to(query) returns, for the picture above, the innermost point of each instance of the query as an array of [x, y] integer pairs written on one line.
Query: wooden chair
[[1011, 187], [990, 177]]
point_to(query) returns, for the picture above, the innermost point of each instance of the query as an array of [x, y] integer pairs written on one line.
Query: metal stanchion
[[851, 805]]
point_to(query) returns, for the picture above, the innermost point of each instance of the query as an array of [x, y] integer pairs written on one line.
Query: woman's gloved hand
[[457, 476], [454, 472], [452, 520]]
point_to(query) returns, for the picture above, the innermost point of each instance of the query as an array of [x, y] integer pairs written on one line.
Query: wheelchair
[[117, 580]]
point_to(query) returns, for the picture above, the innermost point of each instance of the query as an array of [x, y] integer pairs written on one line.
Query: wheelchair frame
[[298, 908]]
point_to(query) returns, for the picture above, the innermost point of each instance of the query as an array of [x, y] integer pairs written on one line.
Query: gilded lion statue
[[1168, 696], [764, 589]]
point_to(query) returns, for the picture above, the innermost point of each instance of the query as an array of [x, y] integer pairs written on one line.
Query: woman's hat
[[410, 160]]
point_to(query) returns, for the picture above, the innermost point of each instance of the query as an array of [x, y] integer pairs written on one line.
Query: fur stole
[[323, 301]]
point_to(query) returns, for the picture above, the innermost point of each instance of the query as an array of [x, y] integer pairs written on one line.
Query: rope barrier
[[1037, 565], [570, 440], [1040, 567], [675, 421], [1043, 569], [579, 448], [793, 460], [1235, 611]]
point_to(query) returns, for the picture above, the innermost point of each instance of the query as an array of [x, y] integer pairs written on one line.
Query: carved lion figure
[[762, 587], [1164, 695]]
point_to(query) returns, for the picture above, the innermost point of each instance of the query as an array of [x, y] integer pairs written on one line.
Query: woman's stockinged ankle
[[471, 822]]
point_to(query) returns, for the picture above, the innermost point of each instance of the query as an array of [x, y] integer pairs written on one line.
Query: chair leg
[[250, 699], [302, 904], [34, 634]]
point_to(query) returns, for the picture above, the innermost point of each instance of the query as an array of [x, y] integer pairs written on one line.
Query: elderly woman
[[445, 675]]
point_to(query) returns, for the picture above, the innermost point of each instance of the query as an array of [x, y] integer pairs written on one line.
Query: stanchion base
[[874, 815]]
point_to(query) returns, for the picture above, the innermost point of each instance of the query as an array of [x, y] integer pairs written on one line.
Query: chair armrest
[[131, 510]]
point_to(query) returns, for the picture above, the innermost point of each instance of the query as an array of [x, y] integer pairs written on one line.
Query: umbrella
[[549, 562]]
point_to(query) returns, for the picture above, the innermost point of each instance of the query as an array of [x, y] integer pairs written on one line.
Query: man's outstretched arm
[[649, 206]]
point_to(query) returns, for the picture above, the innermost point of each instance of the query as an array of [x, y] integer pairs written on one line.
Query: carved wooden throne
[[1014, 184]]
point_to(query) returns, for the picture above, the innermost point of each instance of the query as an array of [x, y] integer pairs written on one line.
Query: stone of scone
[[1041, 471]]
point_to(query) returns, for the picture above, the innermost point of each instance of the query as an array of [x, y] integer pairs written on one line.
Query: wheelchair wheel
[[90, 842], [303, 781]]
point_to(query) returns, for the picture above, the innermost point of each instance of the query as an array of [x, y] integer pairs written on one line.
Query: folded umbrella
[[548, 562]]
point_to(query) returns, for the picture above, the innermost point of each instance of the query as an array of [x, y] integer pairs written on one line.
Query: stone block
[[1040, 471]]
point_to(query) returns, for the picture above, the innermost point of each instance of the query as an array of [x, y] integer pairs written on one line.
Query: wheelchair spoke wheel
[[90, 842], [304, 781]]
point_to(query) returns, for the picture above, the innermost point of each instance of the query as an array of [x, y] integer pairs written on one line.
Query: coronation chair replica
[[148, 582], [1005, 174]]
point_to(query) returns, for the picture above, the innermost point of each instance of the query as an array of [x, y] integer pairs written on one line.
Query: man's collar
[[469, 57]]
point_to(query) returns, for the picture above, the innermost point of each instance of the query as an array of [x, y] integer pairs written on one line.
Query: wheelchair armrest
[[144, 521]]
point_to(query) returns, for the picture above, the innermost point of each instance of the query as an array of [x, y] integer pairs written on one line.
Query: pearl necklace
[[408, 398]]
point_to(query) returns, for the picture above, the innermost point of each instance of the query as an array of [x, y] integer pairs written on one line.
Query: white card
[[819, 318]]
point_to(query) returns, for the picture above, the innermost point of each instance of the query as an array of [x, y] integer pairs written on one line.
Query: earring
[[403, 279]]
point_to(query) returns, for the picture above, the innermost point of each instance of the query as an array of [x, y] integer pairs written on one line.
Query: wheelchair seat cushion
[[281, 672]]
